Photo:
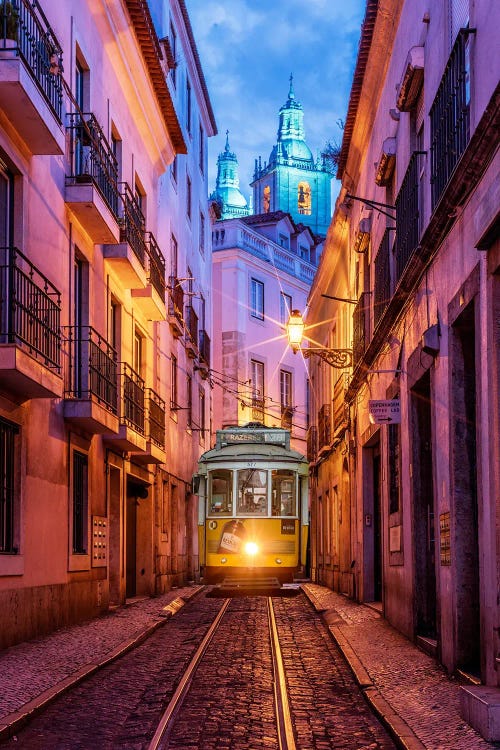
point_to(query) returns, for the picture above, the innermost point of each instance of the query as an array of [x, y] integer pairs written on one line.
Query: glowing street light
[[339, 358]]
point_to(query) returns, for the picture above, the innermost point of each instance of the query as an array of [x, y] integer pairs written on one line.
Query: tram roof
[[252, 452]]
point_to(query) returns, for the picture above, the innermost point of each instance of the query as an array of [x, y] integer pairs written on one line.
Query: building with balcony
[[405, 496], [263, 266], [95, 450]]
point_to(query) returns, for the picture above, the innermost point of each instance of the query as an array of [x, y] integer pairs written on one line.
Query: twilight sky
[[248, 48]]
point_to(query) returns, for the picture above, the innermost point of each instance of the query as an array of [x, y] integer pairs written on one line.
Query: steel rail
[[286, 738], [183, 685]]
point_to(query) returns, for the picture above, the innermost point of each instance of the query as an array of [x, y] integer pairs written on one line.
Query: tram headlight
[[251, 549]]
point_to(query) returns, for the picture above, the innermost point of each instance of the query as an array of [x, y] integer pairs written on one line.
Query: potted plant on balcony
[[9, 21]]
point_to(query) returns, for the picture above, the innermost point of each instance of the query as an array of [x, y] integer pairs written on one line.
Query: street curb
[[397, 727], [13, 722]]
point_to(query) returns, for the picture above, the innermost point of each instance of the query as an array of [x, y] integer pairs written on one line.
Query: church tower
[[227, 187], [292, 180]]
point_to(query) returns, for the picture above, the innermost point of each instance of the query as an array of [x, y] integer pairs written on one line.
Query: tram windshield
[[221, 492], [252, 492], [284, 500]]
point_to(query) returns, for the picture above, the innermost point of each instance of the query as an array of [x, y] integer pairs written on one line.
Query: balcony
[[312, 443], [30, 88], [360, 333], [408, 215], [324, 428], [92, 187], [131, 436], [91, 393], [382, 290], [30, 339], [175, 307], [151, 299], [204, 354], [191, 332], [128, 257], [450, 117], [155, 430], [340, 410]]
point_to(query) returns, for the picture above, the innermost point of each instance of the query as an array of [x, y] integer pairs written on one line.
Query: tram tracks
[[284, 724]]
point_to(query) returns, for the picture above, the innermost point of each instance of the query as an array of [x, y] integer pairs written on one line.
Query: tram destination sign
[[246, 435], [386, 411]]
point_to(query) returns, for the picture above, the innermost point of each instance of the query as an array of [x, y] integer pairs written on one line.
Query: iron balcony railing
[[204, 348], [192, 324], [340, 412], [324, 426], [156, 266], [30, 308], [176, 298], [133, 399], [92, 158], [450, 116], [408, 215], [360, 319], [382, 290], [93, 368], [312, 443], [24, 27], [132, 224], [156, 418]]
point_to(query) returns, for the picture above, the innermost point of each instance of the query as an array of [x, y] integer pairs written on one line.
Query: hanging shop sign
[[385, 411]]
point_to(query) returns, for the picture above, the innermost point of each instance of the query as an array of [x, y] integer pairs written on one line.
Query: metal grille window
[[173, 383], [188, 197], [408, 215], [80, 502], [450, 117], [382, 290], [202, 233], [257, 299], [8, 433]]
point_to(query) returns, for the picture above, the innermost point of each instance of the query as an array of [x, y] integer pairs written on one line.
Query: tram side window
[[283, 493], [220, 498], [252, 492]]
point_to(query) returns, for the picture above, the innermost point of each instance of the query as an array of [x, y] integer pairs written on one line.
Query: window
[[173, 256], [266, 200], [201, 408], [252, 492], [285, 307], [202, 233], [394, 467], [6, 192], [304, 253], [8, 494], [173, 383], [173, 45], [188, 197], [286, 399], [138, 353], [257, 299], [80, 502], [189, 395], [220, 492], [304, 198], [284, 241], [283, 493], [165, 507], [173, 170], [257, 378], [202, 150], [188, 106]]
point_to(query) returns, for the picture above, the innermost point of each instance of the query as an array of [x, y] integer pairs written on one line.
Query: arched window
[[304, 198], [266, 203]]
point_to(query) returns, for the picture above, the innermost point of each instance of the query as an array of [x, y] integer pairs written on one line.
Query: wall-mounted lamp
[[339, 358]]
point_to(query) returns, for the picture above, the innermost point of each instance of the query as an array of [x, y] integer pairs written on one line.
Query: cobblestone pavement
[[403, 683]]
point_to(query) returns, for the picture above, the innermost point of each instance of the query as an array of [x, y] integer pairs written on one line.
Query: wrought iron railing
[[92, 159], [450, 117], [360, 320], [382, 290], [133, 399], [340, 412], [312, 443], [156, 418], [93, 369], [156, 266], [132, 224], [204, 348], [176, 298], [408, 215], [30, 308], [324, 426], [192, 324], [24, 27]]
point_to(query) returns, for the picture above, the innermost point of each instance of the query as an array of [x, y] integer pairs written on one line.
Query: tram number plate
[[288, 527]]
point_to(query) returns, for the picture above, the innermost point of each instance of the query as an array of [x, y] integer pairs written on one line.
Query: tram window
[[252, 492], [220, 497], [283, 493]]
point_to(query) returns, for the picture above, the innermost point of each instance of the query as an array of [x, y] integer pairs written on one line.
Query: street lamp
[[339, 358]]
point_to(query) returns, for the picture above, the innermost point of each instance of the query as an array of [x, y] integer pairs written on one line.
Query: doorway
[[423, 509], [372, 522]]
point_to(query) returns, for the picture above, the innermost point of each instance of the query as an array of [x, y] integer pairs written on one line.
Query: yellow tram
[[253, 505]]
